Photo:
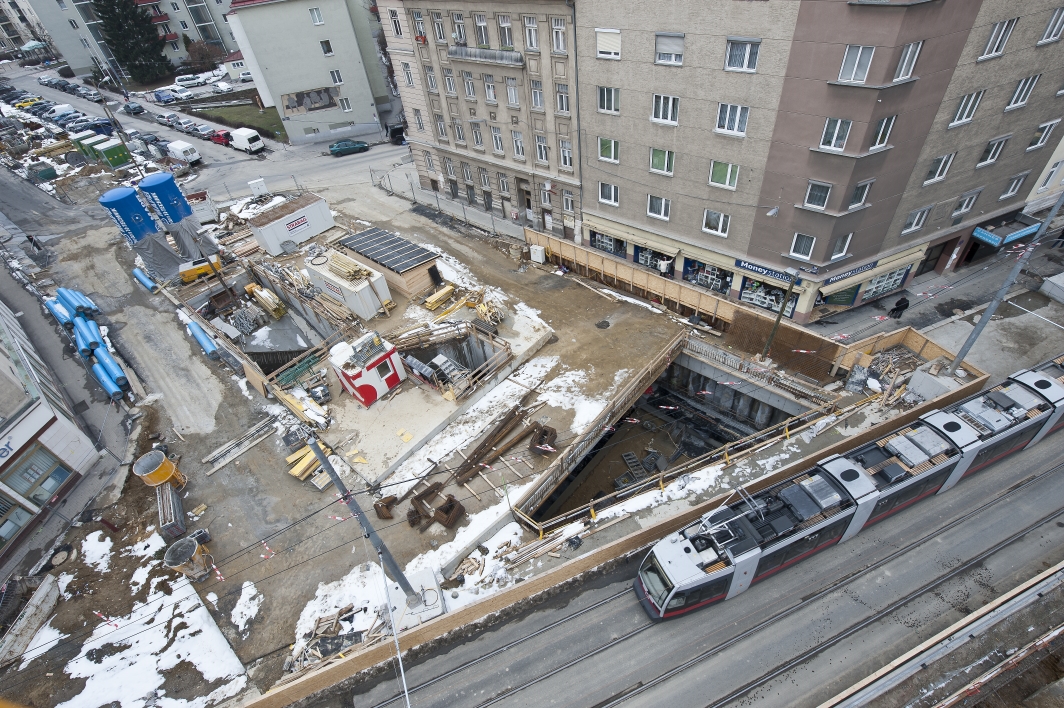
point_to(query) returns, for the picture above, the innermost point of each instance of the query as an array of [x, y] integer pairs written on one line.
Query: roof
[[282, 210], [235, 56], [387, 249]]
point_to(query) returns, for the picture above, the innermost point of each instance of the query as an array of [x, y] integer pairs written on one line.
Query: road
[[611, 652]]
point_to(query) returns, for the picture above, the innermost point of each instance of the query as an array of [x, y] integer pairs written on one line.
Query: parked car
[[72, 88], [148, 138], [60, 84], [163, 96], [245, 76], [101, 127], [347, 147], [189, 80], [222, 87], [56, 111], [185, 125], [65, 120], [40, 108], [92, 95], [180, 150], [80, 123], [167, 118], [27, 101], [180, 93], [222, 137], [203, 132], [132, 108]]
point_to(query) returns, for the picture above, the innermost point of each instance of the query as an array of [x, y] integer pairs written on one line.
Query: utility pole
[[779, 315], [1015, 273], [413, 599], [395, 631]]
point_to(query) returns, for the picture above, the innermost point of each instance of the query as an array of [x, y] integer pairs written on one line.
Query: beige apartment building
[[490, 98]]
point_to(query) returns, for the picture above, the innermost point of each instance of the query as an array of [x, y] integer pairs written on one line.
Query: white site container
[[363, 297], [296, 220], [537, 254]]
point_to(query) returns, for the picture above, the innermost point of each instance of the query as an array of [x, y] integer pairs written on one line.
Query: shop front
[[661, 263], [609, 244], [866, 282], [767, 287], [706, 275], [988, 239]]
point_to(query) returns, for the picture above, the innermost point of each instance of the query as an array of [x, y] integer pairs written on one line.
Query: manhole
[[604, 324]]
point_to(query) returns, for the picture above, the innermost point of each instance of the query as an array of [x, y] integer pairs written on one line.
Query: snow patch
[[246, 607], [96, 551], [63, 581], [213, 599], [42, 641]]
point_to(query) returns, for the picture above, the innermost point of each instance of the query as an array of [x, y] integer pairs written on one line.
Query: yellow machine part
[[194, 270]]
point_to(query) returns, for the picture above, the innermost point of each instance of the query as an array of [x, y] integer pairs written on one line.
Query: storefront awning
[[1005, 234], [837, 282]]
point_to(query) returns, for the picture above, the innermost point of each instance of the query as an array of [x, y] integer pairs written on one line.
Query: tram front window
[[654, 579]]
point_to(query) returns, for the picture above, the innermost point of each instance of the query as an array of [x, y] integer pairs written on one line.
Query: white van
[[180, 150], [179, 92], [189, 80], [58, 110], [247, 140]]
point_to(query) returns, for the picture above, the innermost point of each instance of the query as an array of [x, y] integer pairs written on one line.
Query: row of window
[[546, 195], [940, 165], [565, 146], [481, 35], [491, 95], [917, 218], [969, 103]]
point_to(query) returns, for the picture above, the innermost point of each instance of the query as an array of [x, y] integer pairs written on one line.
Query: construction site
[[508, 416]]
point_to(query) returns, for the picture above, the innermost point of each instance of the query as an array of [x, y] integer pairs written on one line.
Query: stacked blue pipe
[[109, 385], [60, 313], [205, 342], [146, 281], [73, 309], [111, 366]]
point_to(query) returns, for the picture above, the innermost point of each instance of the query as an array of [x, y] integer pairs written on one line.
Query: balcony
[[172, 37], [487, 56], [159, 19]]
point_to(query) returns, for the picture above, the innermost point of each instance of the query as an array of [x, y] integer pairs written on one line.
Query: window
[[396, 27], [855, 64], [173, 46], [563, 97], [609, 99], [565, 152], [1041, 135], [1014, 186], [326, 47], [459, 131], [731, 118], [448, 82], [175, 6], [668, 48], [1056, 24], [716, 223], [62, 6], [336, 78], [661, 161], [531, 34], [816, 195], [496, 139], [458, 35], [658, 207], [485, 181], [939, 168], [802, 246], [1049, 176], [511, 91], [519, 144], [966, 108], [480, 26], [992, 151], [999, 36], [836, 130], [882, 132], [567, 199], [466, 172], [541, 148], [907, 61], [666, 109], [965, 204], [557, 25], [478, 137], [417, 116], [84, 42], [884, 284], [1023, 91], [860, 194], [915, 220], [315, 16], [608, 244], [840, 246], [470, 87], [73, 23], [723, 174], [429, 162], [504, 184], [430, 74], [165, 27], [437, 27], [407, 73], [506, 35], [441, 126], [608, 43], [544, 196], [537, 93], [419, 23], [609, 194], [489, 89], [609, 150], [345, 106], [742, 56], [184, 25]]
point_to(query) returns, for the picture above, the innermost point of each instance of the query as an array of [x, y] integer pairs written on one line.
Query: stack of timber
[[238, 446], [266, 299], [304, 462], [347, 268]]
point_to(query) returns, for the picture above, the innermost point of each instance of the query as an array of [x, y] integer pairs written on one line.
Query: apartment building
[[490, 96], [320, 64], [16, 26], [847, 145]]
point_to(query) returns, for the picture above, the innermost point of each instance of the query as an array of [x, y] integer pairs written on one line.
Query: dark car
[[60, 84], [132, 108], [73, 88], [346, 147], [39, 110], [148, 138]]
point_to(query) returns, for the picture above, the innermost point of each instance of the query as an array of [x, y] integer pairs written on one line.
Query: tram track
[[833, 587]]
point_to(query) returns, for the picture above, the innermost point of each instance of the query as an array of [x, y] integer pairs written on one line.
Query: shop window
[[767, 296], [885, 283], [12, 519], [608, 244], [707, 276]]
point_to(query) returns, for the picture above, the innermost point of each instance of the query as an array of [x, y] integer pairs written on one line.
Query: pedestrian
[[899, 308]]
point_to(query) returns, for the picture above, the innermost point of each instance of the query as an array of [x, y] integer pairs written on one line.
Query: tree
[[203, 56], [133, 39], [186, 41]]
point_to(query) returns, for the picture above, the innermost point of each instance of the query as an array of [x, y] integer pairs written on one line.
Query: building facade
[[858, 143], [42, 451], [18, 26], [320, 64], [490, 96]]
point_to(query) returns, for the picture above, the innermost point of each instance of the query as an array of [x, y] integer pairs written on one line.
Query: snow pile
[[685, 486], [63, 581], [244, 209], [625, 298], [246, 607], [125, 665], [566, 392], [42, 641], [96, 551]]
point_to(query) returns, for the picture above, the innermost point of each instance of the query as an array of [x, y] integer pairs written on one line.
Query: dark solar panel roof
[[387, 249]]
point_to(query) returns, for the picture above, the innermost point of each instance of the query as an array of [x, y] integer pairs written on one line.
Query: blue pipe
[[82, 344], [144, 280], [111, 367], [109, 386], [60, 313], [81, 325], [68, 301], [90, 306], [97, 335], [209, 347]]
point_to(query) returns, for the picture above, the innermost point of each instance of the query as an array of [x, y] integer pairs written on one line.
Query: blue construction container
[[161, 191], [129, 215]]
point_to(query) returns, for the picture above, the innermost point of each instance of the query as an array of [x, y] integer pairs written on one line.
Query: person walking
[[899, 308]]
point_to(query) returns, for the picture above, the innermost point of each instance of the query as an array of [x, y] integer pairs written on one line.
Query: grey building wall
[[56, 19]]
